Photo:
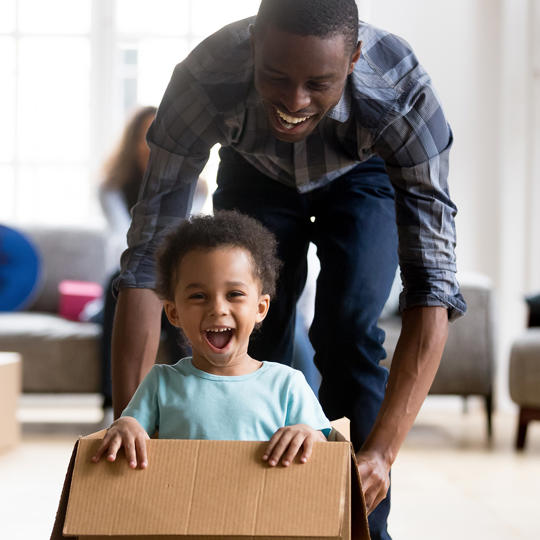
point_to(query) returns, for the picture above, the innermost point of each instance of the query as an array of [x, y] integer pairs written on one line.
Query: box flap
[[62, 505], [209, 488], [359, 520], [343, 427], [96, 435]]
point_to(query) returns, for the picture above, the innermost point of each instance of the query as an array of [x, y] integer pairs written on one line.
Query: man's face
[[299, 79]]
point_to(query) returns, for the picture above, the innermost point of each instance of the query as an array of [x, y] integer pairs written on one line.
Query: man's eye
[[274, 78], [318, 86]]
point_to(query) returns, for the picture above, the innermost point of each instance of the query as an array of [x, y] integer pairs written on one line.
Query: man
[[330, 133]]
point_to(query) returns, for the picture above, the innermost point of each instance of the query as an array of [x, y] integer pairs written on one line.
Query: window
[[71, 74]]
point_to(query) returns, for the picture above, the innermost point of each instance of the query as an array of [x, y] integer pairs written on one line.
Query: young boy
[[216, 275]]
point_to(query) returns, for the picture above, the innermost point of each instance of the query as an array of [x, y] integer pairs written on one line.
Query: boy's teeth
[[219, 329], [219, 337]]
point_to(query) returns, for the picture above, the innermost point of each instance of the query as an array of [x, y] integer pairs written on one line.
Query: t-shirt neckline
[[188, 362]]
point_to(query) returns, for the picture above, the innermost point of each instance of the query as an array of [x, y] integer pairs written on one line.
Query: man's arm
[[185, 128], [414, 139], [415, 363], [135, 341]]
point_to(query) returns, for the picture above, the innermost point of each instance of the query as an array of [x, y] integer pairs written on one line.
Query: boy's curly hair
[[224, 228]]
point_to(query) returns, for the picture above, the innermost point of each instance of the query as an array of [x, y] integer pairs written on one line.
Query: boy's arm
[[303, 410], [287, 442], [125, 432], [136, 332]]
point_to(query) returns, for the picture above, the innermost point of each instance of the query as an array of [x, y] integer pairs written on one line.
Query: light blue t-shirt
[[183, 402]]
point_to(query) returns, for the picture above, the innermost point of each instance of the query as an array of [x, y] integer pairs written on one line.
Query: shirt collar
[[342, 110], [253, 97]]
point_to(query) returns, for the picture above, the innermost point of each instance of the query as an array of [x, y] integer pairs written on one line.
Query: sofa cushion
[[467, 363], [20, 269], [78, 254], [57, 355], [525, 369]]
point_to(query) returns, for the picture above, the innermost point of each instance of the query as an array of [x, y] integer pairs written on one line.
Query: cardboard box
[[10, 389], [212, 489]]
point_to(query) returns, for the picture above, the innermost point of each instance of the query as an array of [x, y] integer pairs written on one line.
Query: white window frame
[[106, 109], [533, 210]]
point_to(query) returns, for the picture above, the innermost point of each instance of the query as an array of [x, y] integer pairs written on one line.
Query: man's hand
[[375, 476], [128, 433], [287, 442]]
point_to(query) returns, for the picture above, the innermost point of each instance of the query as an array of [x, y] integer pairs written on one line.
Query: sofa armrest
[[467, 364]]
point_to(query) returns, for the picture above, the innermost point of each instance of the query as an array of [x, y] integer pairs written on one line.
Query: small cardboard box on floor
[[10, 390], [212, 490]]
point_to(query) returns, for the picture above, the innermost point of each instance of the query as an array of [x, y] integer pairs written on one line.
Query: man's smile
[[288, 127], [291, 121]]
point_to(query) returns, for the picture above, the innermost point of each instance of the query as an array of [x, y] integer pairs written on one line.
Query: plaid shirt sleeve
[[415, 141], [180, 139]]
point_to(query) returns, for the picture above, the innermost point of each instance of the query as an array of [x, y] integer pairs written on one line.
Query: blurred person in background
[[123, 174]]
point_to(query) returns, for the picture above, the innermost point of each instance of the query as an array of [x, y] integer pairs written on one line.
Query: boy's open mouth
[[219, 337]]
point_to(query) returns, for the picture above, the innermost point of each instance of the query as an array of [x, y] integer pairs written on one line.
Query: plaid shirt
[[388, 108]]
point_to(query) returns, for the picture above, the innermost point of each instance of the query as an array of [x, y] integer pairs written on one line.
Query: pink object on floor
[[74, 295]]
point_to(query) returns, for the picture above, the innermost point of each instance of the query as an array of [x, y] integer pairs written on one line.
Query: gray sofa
[[468, 362], [59, 355], [64, 356], [524, 380]]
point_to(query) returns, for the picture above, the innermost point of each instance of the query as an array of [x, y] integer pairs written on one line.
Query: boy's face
[[217, 303]]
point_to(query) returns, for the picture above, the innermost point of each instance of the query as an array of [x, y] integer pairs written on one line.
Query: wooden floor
[[447, 483]]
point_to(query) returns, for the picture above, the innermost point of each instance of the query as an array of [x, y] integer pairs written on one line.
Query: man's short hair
[[226, 228], [321, 18]]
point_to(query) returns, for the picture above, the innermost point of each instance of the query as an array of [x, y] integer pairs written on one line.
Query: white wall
[[533, 273], [478, 54]]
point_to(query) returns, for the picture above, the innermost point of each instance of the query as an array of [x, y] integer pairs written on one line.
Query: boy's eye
[[235, 294], [196, 296]]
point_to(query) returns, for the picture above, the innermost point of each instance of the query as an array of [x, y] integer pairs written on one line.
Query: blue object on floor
[[20, 269]]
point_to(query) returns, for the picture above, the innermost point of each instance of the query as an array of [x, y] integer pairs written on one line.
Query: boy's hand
[[126, 432], [287, 442]]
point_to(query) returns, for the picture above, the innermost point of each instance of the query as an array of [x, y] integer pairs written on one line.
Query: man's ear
[[354, 57], [172, 313], [263, 306]]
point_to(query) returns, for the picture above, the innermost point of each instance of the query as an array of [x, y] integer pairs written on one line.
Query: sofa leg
[[526, 414], [522, 430], [489, 415], [464, 405]]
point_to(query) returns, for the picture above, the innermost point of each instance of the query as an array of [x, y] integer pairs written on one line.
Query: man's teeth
[[292, 119]]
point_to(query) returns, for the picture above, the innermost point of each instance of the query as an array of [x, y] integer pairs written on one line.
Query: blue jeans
[[303, 354], [355, 234]]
